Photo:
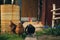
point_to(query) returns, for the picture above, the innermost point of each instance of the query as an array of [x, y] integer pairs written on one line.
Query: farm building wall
[[46, 10]]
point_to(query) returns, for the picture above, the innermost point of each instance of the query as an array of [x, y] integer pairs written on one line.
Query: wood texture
[[29, 8], [9, 13], [46, 10]]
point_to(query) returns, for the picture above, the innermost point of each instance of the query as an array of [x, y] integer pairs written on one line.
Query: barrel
[[9, 13]]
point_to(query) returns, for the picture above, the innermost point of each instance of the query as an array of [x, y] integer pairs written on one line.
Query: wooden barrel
[[9, 13]]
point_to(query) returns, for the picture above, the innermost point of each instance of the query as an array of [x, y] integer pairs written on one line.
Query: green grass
[[49, 31], [10, 37]]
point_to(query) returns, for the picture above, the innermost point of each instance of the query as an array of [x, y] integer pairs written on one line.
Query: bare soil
[[48, 37]]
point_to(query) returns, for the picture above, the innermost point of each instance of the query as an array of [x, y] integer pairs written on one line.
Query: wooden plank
[[56, 18], [56, 9], [57, 14], [43, 11], [29, 8]]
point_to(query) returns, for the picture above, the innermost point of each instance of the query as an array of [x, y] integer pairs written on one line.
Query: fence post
[[53, 15]]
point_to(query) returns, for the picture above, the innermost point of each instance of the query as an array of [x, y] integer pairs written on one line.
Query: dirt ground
[[48, 37]]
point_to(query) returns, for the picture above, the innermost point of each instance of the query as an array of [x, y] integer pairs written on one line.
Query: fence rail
[[54, 14], [56, 9]]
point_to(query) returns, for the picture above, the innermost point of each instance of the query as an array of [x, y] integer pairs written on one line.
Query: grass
[[49, 34], [46, 31], [49, 31], [10, 37]]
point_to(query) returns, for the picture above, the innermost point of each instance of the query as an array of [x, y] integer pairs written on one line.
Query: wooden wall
[[29, 8], [46, 10]]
